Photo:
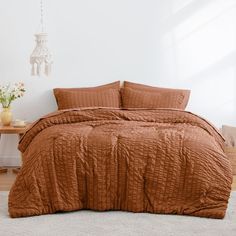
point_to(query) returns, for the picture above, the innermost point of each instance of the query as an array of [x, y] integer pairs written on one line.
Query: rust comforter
[[158, 161]]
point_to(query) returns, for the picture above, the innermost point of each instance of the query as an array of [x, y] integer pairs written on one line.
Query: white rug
[[116, 223]]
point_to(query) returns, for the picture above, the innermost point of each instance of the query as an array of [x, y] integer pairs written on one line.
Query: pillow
[[144, 96], [101, 96], [114, 85]]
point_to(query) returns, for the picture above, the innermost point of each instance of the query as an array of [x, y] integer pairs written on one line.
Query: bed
[[156, 160]]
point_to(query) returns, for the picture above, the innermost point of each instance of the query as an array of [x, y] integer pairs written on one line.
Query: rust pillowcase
[[101, 96], [133, 96], [143, 96]]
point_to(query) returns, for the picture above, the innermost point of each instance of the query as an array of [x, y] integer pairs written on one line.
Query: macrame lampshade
[[41, 58]]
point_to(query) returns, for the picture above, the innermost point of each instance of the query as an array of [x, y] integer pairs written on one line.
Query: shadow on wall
[[198, 42], [178, 11]]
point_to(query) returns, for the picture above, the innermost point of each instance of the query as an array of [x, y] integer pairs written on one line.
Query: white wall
[[172, 43]]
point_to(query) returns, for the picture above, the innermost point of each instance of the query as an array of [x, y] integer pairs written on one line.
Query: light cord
[[42, 15]]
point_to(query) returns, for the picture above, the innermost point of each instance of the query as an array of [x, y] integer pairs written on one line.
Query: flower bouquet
[[8, 94]]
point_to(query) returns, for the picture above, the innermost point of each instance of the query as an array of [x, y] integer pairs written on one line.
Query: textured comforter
[[158, 161]]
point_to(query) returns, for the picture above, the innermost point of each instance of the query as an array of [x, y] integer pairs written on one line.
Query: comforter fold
[[140, 160]]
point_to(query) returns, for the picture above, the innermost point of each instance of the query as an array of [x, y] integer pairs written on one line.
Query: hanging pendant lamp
[[41, 58]]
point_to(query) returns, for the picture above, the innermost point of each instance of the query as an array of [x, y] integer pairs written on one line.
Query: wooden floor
[[234, 183], [7, 179]]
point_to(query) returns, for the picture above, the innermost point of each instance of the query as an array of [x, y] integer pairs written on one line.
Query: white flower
[[9, 94]]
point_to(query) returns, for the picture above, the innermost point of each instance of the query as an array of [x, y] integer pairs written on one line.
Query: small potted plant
[[7, 95]]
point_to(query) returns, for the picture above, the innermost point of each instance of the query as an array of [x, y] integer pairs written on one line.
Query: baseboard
[[10, 161]]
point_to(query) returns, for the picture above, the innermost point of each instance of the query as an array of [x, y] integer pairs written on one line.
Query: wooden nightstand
[[12, 130], [231, 153], [229, 133]]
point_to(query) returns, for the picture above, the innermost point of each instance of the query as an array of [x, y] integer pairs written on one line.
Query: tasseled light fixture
[[41, 58]]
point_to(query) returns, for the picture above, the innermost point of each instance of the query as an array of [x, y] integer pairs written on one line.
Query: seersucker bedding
[[140, 160]]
